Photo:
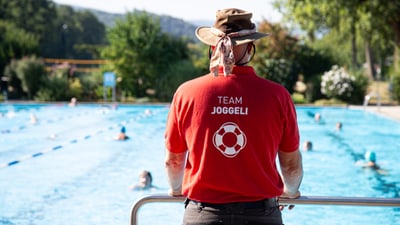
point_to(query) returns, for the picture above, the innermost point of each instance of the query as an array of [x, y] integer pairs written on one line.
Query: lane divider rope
[[73, 141], [22, 127]]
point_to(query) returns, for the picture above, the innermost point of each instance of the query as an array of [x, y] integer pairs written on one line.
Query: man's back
[[233, 128]]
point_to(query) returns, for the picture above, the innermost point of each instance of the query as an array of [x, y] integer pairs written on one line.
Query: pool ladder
[[303, 200], [369, 96]]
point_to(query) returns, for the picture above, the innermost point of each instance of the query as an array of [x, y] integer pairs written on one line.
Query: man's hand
[[292, 174], [287, 195], [175, 193]]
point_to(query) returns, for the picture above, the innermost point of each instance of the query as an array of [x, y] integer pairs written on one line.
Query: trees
[[15, 43], [26, 75], [284, 58], [374, 22], [39, 28], [74, 34], [140, 52]]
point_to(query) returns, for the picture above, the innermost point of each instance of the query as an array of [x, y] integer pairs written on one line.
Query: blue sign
[[109, 79]]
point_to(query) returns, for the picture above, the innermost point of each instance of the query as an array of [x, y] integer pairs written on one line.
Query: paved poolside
[[389, 111]]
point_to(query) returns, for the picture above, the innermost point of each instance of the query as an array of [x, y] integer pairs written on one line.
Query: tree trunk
[[353, 46], [369, 61], [396, 54]]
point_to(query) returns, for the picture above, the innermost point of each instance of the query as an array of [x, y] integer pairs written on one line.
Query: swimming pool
[[67, 169]]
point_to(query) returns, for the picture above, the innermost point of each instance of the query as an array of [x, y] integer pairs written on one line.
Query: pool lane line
[[73, 141], [14, 162], [22, 127]]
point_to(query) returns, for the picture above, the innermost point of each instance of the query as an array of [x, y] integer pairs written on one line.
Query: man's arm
[[292, 173], [175, 167]]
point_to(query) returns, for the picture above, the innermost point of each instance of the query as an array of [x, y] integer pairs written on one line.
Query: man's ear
[[249, 47]]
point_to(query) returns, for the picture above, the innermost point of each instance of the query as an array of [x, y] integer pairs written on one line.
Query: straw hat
[[235, 23]]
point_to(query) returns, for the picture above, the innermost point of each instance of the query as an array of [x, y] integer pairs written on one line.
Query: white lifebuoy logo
[[229, 139]]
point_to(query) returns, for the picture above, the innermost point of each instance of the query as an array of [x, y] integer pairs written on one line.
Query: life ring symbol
[[229, 149]]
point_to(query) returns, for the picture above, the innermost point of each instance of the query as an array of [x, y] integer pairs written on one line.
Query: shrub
[[396, 87], [282, 71], [340, 84], [360, 85], [75, 88], [298, 98], [54, 89], [26, 75], [337, 83]]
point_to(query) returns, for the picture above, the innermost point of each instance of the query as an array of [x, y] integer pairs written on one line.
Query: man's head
[[123, 130], [232, 28], [370, 156], [145, 178], [235, 23]]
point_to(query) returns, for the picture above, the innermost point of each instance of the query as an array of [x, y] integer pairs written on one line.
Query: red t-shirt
[[233, 128]]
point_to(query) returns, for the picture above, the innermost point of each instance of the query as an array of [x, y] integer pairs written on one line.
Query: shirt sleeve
[[174, 138], [290, 137]]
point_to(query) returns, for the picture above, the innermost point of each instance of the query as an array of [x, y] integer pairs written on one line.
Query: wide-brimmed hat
[[235, 23]]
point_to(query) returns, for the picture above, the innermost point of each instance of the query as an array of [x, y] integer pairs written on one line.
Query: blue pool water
[[81, 175]]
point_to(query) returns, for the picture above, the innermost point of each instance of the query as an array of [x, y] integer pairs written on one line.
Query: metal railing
[[303, 200]]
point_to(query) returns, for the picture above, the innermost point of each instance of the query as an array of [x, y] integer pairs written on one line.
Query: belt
[[265, 203]]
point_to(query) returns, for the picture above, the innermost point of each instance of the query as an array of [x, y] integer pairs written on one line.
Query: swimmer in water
[[370, 162], [34, 119], [122, 135], [73, 102], [145, 181], [370, 157], [307, 146], [339, 126]]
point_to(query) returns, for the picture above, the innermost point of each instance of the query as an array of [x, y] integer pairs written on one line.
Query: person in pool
[[370, 163], [73, 102], [339, 126], [34, 119], [307, 146], [122, 135], [370, 157], [145, 181]]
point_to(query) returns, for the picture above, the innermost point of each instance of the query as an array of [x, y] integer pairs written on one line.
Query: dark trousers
[[257, 213]]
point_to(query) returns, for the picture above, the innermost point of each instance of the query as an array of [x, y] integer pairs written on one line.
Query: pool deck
[[392, 112]]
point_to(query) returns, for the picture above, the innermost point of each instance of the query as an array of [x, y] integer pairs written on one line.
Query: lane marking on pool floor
[[76, 140]]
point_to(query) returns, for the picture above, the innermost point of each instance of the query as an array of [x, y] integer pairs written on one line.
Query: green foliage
[[298, 98], [331, 101], [282, 58], [313, 91], [360, 85], [15, 43], [14, 83], [281, 71], [335, 55], [176, 74], [33, 16], [141, 53], [396, 87], [54, 89], [29, 71], [89, 84], [75, 34], [373, 25], [75, 88], [60, 86], [337, 83], [340, 84]]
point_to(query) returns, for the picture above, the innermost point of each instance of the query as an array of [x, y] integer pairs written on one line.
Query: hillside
[[171, 25]]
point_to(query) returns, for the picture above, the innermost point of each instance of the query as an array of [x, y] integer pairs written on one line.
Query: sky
[[187, 10]]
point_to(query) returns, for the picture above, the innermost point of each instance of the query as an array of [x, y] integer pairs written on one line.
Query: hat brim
[[205, 35]]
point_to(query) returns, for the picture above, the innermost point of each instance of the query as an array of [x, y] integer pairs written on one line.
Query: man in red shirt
[[225, 130]]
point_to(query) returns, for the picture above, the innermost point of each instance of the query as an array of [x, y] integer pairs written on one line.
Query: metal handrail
[[303, 200]]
